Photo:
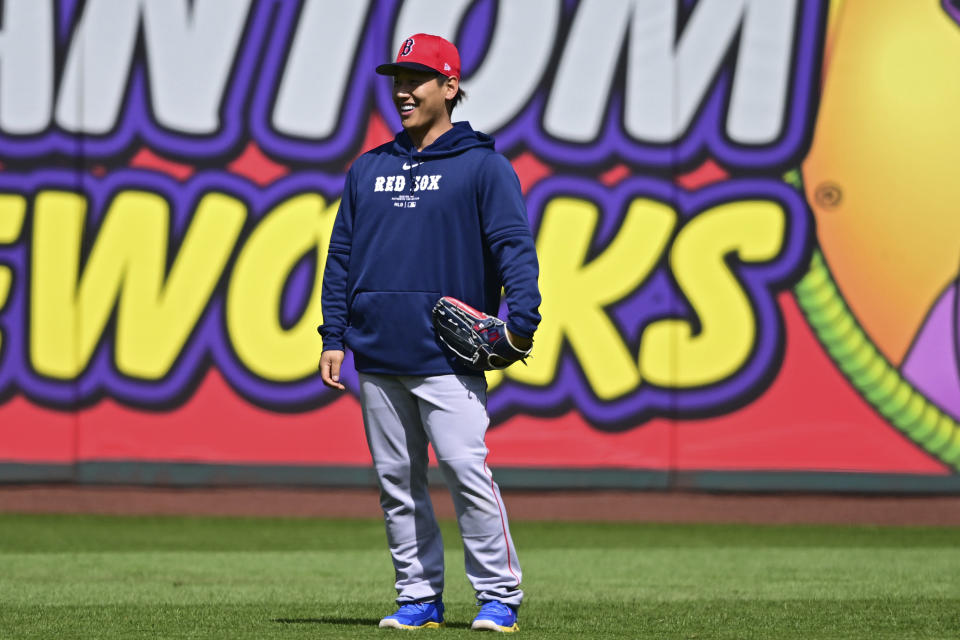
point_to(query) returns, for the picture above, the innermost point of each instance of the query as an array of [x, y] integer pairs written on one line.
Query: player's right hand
[[330, 362]]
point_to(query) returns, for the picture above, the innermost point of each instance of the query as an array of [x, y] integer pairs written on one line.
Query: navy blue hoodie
[[413, 226]]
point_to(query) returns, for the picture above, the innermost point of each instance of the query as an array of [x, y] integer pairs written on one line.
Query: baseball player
[[436, 212]]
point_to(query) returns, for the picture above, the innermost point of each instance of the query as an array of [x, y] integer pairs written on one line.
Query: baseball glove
[[478, 340]]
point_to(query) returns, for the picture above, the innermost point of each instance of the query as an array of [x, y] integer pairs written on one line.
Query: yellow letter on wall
[[670, 355], [574, 293], [12, 211], [156, 317], [254, 297]]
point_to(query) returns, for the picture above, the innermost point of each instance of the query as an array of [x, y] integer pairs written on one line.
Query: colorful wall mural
[[745, 213]]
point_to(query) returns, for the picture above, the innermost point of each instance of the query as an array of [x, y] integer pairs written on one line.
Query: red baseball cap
[[425, 52]]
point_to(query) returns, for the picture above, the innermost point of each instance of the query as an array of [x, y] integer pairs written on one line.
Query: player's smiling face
[[420, 99]]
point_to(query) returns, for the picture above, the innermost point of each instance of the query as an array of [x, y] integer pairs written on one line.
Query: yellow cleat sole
[[390, 623]]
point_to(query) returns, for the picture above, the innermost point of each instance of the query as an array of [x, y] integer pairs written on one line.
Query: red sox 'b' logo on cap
[[407, 47]]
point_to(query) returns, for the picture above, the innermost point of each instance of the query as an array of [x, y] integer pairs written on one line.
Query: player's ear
[[450, 88]]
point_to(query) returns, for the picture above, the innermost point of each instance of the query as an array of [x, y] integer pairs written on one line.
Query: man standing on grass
[[436, 212]]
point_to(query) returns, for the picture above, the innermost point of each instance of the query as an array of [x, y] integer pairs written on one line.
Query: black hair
[[461, 94]]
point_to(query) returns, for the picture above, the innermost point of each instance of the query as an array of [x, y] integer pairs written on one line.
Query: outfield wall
[[745, 213]]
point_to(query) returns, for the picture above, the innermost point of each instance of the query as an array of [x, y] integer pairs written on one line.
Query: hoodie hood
[[457, 140]]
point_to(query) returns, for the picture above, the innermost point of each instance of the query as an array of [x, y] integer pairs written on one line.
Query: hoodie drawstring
[[409, 171], [414, 175]]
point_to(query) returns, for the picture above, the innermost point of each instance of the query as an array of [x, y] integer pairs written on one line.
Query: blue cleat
[[496, 616], [416, 615]]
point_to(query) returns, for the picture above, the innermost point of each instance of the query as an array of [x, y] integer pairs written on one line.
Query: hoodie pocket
[[392, 331]]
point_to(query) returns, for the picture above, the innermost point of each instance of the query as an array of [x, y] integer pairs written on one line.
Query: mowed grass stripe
[[588, 575], [79, 533]]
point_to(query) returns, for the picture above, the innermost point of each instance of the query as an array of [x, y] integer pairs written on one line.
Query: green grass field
[[133, 577]]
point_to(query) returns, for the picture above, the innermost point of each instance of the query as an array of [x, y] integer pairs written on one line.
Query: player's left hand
[[519, 342], [480, 341]]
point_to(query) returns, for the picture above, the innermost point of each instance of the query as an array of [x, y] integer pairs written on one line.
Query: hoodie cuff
[[518, 331], [331, 341]]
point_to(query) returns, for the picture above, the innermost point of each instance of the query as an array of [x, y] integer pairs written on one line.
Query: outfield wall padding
[[734, 298]]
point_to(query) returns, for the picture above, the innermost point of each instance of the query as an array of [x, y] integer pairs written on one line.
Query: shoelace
[[496, 607], [412, 607]]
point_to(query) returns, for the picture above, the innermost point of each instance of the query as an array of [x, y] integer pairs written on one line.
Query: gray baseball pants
[[401, 416]]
